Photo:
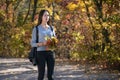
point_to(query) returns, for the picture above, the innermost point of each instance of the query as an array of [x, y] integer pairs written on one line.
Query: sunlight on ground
[[70, 76], [13, 60], [14, 70]]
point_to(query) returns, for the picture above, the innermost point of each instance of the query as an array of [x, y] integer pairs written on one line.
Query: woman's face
[[45, 17]]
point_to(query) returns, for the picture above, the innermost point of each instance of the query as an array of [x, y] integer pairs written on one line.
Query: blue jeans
[[44, 57]]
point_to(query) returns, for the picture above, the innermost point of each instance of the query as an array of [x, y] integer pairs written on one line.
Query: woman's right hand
[[42, 44]]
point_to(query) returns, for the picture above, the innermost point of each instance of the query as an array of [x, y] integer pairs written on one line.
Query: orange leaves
[[65, 22], [68, 16], [69, 3], [51, 42]]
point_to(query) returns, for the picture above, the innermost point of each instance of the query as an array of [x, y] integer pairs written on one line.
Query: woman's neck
[[44, 25]]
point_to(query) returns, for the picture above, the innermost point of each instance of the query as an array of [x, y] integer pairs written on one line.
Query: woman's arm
[[42, 44], [33, 40]]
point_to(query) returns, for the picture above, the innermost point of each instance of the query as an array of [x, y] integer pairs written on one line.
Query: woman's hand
[[42, 44]]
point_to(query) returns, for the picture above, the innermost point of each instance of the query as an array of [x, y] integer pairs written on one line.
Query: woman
[[44, 55]]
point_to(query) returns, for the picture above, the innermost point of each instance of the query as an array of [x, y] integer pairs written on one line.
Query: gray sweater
[[42, 33]]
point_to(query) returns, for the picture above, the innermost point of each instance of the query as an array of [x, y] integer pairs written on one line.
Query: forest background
[[88, 30]]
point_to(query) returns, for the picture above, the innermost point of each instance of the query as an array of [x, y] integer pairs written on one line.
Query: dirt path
[[21, 69]]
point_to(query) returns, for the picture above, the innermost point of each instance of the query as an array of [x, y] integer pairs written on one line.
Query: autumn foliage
[[86, 29], [51, 43]]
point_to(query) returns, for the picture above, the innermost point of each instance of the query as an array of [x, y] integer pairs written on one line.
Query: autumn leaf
[[57, 17], [71, 6]]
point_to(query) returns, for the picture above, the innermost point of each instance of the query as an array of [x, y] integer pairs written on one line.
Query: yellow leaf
[[97, 26], [83, 10], [57, 17], [17, 36], [119, 58], [113, 25], [105, 24], [81, 4], [112, 37], [23, 31], [71, 6]]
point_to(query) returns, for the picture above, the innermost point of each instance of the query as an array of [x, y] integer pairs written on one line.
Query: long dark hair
[[41, 15]]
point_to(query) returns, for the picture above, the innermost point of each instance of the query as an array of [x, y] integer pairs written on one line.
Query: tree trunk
[[98, 4], [34, 9]]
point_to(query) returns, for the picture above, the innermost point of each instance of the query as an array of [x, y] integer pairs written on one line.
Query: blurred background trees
[[86, 29]]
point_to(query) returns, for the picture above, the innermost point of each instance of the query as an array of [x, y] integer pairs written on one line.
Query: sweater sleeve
[[33, 40]]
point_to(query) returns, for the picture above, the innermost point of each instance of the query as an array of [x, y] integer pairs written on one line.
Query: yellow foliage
[[22, 31], [2, 13], [78, 36], [112, 37], [57, 17], [50, 0], [97, 26], [71, 6], [105, 24], [83, 10], [91, 9], [81, 4], [17, 36], [50, 10], [57, 1], [88, 2], [113, 25], [75, 55], [119, 58], [86, 23], [41, 1]]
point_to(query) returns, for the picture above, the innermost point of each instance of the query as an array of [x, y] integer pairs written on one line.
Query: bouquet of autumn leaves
[[51, 42]]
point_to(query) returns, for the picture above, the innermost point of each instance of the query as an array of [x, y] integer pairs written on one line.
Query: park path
[[22, 69]]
